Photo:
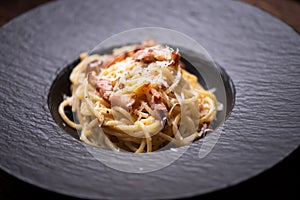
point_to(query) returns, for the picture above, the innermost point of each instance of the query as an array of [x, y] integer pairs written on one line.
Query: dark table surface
[[281, 180]]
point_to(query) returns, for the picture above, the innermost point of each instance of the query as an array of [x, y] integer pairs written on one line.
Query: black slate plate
[[259, 52]]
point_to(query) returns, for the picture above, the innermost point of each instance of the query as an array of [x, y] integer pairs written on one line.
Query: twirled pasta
[[137, 99]]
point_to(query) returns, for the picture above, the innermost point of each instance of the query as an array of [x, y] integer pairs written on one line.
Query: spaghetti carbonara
[[138, 99]]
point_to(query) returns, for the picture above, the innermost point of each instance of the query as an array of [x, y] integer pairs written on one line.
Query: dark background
[[281, 181]]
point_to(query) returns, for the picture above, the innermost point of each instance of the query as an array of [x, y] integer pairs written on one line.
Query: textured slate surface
[[259, 52]]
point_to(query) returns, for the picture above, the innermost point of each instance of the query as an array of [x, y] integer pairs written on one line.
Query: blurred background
[[282, 179], [287, 10]]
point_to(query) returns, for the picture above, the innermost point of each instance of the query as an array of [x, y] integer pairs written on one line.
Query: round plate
[[259, 52]]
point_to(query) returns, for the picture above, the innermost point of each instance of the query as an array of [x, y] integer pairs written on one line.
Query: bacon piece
[[95, 66], [116, 58], [123, 101], [154, 100], [110, 60], [105, 62], [144, 55], [102, 85], [128, 53], [157, 53], [175, 57]]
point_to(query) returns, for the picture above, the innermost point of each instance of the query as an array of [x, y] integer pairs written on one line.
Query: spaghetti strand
[[137, 99]]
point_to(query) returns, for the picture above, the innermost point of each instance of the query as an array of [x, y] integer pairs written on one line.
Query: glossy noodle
[[138, 99]]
